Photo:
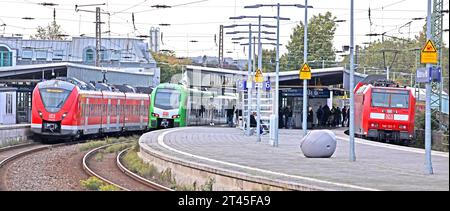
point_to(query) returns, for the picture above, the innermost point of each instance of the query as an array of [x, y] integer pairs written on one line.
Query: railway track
[[8, 154], [23, 167], [111, 171]]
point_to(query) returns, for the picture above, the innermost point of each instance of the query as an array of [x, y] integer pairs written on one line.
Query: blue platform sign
[[425, 75], [312, 93], [241, 85], [245, 84], [267, 85], [436, 74]]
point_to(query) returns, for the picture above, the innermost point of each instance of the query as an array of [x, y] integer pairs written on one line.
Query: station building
[[24, 63], [329, 86]]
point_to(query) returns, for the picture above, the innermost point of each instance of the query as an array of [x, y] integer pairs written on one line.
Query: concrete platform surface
[[378, 167]]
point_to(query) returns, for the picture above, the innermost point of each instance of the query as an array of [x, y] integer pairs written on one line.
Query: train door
[[108, 114], [359, 112], [104, 112], [122, 109], [114, 114]]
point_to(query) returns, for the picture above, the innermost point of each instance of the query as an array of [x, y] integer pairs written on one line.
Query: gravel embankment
[[57, 169]]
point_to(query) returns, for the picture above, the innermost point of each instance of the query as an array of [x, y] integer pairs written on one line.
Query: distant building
[[126, 54], [23, 63], [211, 61]]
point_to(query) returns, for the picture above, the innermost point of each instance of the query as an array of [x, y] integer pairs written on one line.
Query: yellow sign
[[259, 78], [429, 54], [305, 72]]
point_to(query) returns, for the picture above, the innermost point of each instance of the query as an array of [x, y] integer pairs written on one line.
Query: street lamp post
[[274, 142], [352, 85], [250, 73]]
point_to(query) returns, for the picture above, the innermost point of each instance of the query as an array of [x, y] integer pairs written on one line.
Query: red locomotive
[[384, 111], [70, 108]]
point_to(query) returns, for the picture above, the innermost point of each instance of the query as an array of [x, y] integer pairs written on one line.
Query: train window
[[390, 100], [54, 99], [167, 99], [380, 99], [399, 101]]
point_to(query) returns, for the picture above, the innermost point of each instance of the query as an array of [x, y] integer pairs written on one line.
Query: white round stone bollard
[[319, 144]]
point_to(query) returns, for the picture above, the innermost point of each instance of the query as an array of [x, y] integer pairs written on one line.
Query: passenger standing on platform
[[310, 117], [344, 116], [289, 117], [348, 117], [326, 115], [253, 122], [202, 110], [280, 117], [331, 118], [238, 113], [319, 114], [337, 117], [230, 113]]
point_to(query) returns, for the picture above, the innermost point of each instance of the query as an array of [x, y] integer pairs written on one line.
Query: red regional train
[[385, 112], [70, 108]]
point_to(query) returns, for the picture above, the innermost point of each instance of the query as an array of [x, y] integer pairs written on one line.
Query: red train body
[[384, 113], [62, 109]]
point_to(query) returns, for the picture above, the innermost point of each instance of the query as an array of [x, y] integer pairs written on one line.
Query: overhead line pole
[[305, 82], [258, 89], [352, 84], [249, 79], [98, 36], [428, 164]]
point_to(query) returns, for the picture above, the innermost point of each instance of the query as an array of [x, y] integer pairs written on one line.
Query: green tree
[[170, 65], [52, 31], [321, 30], [268, 60]]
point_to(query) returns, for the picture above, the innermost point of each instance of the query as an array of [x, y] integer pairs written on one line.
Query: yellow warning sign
[[305, 72], [429, 53], [259, 77]]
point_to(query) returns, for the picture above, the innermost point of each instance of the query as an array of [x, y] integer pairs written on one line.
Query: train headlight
[[374, 125], [40, 113], [155, 115], [64, 115], [175, 116], [402, 127]]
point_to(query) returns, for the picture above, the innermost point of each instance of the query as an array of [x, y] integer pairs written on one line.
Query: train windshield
[[399, 101], [54, 99], [380, 99], [167, 99], [390, 99]]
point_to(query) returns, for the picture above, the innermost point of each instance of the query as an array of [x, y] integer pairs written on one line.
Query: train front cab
[[53, 110], [387, 114], [168, 107]]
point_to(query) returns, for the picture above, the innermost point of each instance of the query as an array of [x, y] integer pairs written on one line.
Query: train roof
[[69, 83]]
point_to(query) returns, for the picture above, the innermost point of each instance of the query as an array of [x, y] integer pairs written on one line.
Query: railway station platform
[[14, 134], [237, 162]]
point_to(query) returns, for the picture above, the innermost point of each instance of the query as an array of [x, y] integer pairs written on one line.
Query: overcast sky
[[200, 20]]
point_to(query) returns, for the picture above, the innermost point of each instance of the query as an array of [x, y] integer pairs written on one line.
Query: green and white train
[[174, 105]]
